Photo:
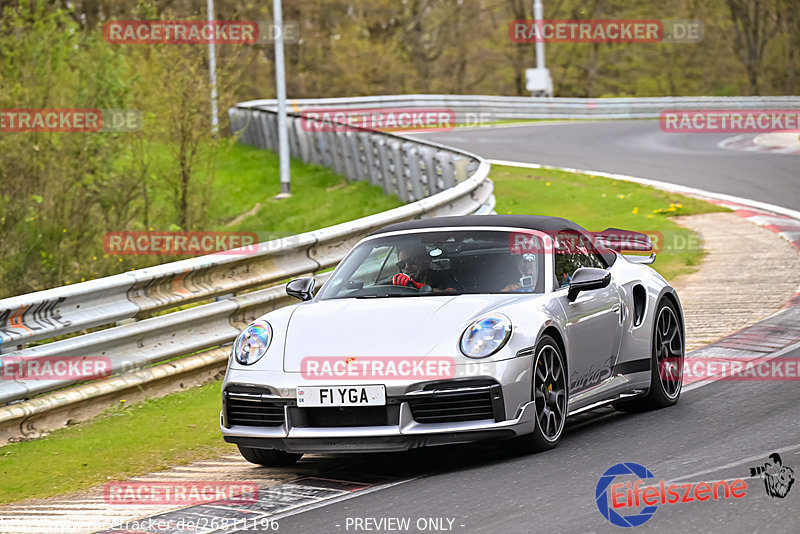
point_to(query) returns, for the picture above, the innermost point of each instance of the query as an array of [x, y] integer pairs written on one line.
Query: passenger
[[526, 266]]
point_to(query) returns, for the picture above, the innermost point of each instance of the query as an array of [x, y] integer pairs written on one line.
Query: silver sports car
[[452, 330]]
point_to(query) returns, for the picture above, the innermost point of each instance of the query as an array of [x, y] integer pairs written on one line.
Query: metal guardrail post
[[414, 170]]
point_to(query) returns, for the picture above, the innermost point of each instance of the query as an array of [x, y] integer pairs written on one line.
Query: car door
[[593, 320]]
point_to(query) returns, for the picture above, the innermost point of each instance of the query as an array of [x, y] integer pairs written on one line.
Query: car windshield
[[440, 263]]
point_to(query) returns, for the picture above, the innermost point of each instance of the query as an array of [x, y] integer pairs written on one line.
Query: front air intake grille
[[349, 416], [249, 409], [455, 406]]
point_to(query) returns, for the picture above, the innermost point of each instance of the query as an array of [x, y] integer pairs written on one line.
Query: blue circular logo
[[601, 495]]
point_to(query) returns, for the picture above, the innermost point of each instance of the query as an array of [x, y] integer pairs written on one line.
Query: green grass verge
[[598, 203], [248, 177], [246, 180], [183, 427]]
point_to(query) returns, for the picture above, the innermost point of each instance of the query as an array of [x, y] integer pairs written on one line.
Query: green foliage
[[62, 191], [48, 178], [441, 46]]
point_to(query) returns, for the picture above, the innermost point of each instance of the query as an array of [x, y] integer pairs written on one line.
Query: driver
[[526, 266], [414, 267]]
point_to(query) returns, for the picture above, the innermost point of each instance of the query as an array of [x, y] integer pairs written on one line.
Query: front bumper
[[404, 425], [407, 434]]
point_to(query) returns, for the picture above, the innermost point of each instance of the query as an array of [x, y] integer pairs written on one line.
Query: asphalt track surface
[[715, 432], [639, 148]]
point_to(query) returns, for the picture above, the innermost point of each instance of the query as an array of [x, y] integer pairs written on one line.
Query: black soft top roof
[[531, 222], [549, 225]]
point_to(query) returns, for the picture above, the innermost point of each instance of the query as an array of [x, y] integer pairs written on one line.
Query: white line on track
[[334, 500], [759, 458], [761, 359]]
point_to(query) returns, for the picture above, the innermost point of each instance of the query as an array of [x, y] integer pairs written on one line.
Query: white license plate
[[314, 396]]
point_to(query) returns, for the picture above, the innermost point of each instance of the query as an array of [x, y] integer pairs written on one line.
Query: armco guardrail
[[436, 180], [469, 108], [401, 166]]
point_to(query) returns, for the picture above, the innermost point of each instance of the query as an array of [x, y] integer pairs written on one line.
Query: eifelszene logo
[[608, 510], [615, 498]]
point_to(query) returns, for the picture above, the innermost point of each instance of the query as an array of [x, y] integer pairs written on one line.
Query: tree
[[754, 25]]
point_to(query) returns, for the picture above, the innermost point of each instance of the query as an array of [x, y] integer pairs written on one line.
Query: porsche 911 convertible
[[454, 330]]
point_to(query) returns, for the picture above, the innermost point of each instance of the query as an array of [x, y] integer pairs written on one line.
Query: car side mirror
[[587, 278], [301, 288]]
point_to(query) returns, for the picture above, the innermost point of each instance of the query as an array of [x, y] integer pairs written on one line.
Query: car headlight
[[485, 336], [252, 343]]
